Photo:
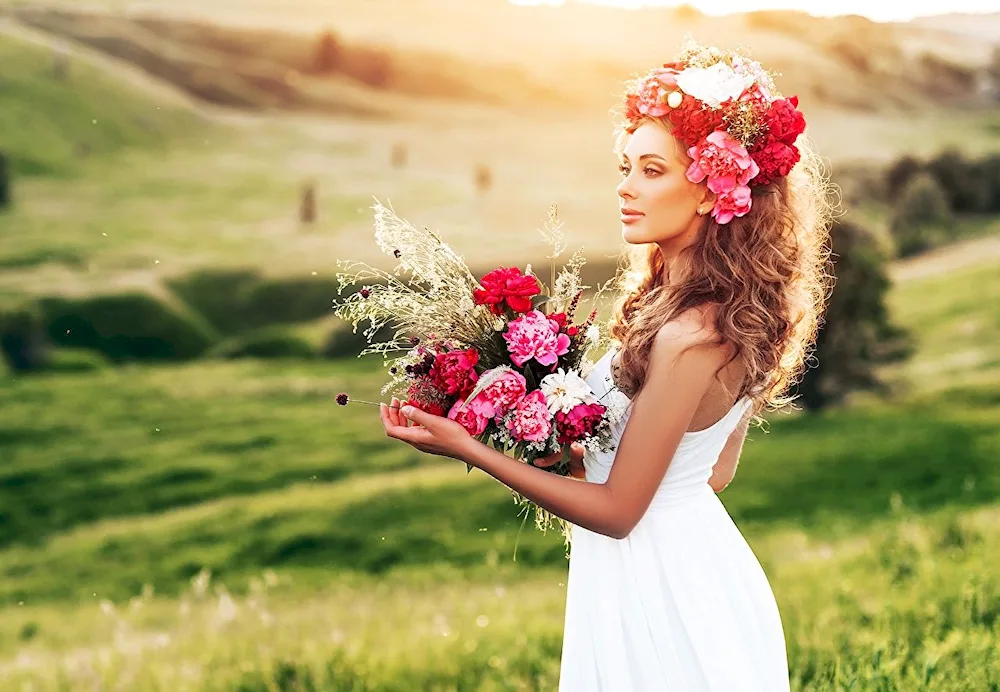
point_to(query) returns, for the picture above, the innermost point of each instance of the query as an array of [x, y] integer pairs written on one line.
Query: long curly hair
[[764, 274]]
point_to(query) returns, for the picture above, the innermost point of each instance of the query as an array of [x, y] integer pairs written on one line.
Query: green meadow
[[220, 525]]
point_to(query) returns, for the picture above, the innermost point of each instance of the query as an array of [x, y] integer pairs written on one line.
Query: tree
[[327, 54], [993, 71], [922, 218], [957, 178], [856, 334]]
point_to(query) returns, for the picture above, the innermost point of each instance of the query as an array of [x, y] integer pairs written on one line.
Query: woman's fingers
[[383, 413], [547, 461]]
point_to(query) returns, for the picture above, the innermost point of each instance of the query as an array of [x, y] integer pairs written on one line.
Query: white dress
[[682, 603]]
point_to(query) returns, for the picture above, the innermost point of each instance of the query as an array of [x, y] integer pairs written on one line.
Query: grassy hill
[[50, 125], [238, 467], [204, 509], [912, 606]]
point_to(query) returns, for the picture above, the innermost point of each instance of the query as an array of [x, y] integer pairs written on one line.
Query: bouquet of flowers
[[500, 354]]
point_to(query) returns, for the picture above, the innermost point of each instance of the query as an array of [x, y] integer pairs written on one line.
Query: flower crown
[[740, 132]]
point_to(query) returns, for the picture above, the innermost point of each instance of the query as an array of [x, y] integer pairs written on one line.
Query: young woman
[[722, 196]]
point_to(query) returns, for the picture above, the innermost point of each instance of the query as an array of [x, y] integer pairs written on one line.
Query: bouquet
[[500, 354]]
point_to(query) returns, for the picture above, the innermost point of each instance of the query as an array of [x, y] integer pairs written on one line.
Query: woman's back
[[681, 603]]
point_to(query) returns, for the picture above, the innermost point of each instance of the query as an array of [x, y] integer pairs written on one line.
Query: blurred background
[[182, 507]]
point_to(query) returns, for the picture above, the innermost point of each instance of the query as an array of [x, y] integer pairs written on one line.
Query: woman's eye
[[650, 171], [623, 169]]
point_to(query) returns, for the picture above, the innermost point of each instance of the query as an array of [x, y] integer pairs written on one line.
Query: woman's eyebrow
[[646, 156]]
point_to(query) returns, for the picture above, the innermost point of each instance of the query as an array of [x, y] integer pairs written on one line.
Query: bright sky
[[891, 10]]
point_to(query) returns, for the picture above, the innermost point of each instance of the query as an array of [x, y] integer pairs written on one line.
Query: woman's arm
[[682, 365], [729, 458]]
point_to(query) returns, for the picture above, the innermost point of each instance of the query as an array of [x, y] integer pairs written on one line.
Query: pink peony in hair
[[723, 160], [532, 421], [533, 335], [730, 204]]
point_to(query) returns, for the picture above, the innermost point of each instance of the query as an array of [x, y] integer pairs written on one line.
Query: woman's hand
[[430, 434], [576, 468]]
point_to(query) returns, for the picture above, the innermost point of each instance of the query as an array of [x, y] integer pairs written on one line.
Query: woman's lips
[[630, 215]]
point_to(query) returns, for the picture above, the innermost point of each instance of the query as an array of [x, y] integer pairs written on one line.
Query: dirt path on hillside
[[977, 251], [126, 71]]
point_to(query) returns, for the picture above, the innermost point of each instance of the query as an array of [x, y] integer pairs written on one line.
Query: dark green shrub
[[344, 343], [132, 326], [956, 178], [991, 182], [218, 295], [856, 335], [899, 174], [5, 183], [22, 339], [291, 300], [236, 301], [269, 342], [921, 218]]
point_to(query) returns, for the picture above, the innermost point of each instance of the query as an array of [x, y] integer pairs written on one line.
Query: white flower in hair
[[564, 390], [713, 85]]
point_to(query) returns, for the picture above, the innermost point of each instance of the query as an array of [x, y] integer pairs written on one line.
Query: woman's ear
[[706, 201]]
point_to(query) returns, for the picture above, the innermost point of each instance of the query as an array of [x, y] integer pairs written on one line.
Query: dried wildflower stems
[[436, 295]]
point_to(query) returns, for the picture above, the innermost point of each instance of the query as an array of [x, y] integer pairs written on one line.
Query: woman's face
[[658, 203]]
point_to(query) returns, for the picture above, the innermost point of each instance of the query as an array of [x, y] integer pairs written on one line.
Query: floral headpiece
[[740, 132]]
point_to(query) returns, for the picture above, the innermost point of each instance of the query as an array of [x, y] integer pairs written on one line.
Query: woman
[[719, 189]]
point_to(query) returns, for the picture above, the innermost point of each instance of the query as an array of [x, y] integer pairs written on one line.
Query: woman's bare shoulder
[[692, 327]]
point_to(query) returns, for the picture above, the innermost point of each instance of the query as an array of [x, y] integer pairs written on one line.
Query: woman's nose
[[624, 191]]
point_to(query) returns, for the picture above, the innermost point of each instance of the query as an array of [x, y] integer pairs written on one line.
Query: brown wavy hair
[[765, 276]]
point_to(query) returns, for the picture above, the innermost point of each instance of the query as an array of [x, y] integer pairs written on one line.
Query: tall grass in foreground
[[912, 605]]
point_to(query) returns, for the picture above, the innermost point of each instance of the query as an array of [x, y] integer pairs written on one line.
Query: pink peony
[[531, 421], [505, 391], [650, 101], [729, 204], [578, 423], [454, 372], [475, 416], [533, 335], [723, 160]]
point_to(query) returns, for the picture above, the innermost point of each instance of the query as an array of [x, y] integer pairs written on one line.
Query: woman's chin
[[632, 235]]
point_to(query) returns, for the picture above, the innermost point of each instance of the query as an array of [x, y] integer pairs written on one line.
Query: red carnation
[[507, 284], [454, 372], [560, 319], [775, 160], [692, 122]]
